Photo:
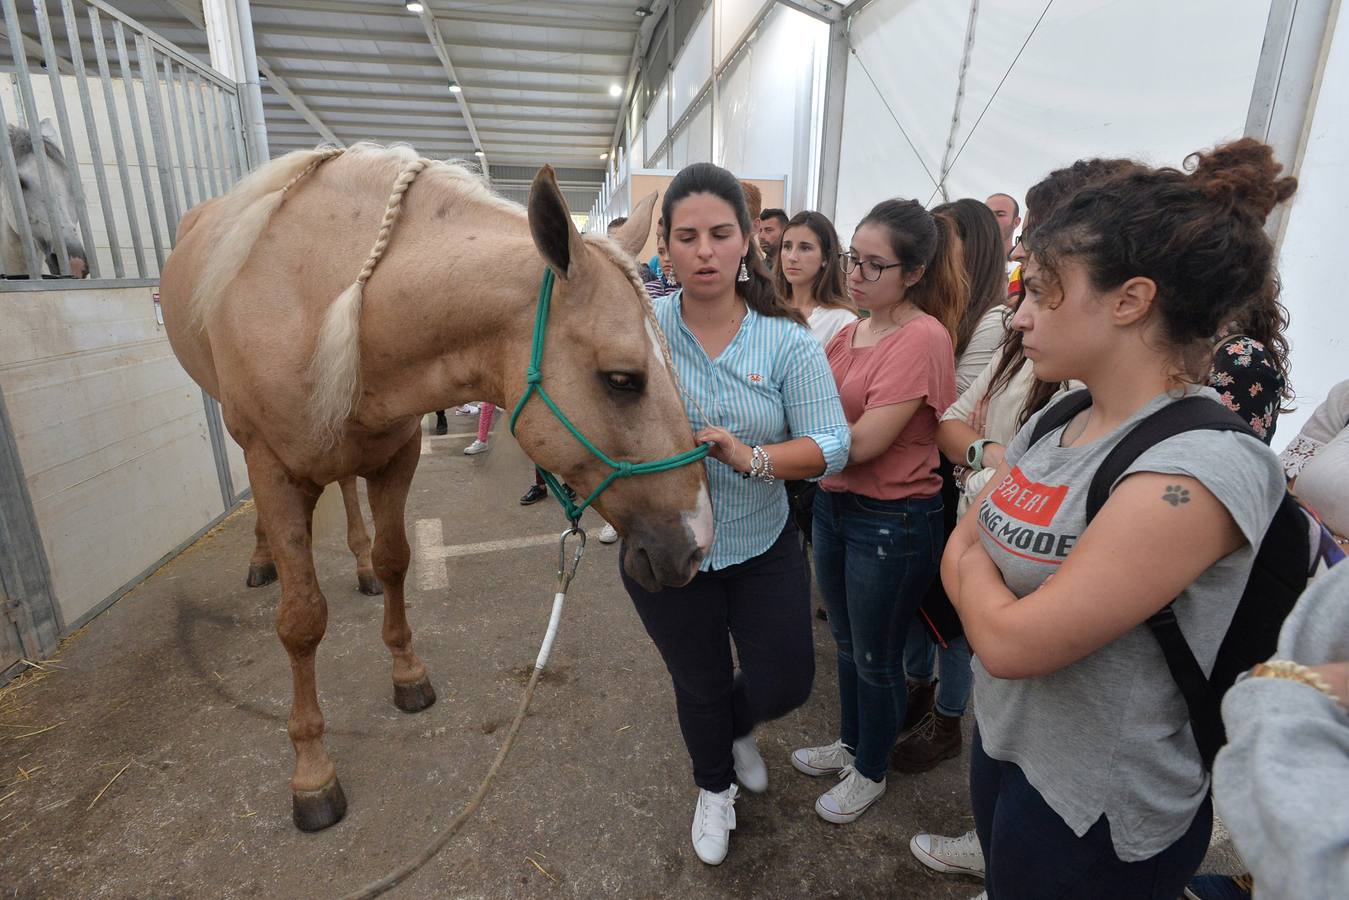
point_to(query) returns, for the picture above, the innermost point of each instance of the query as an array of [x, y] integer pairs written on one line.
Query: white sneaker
[[851, 797], [476, 447], [750, 770], [945, 854], [713, 820], [817, 761], [607, 534], [982, 895], [468, 409]]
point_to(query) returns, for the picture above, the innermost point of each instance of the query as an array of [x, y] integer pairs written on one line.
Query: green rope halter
[[534, 385]]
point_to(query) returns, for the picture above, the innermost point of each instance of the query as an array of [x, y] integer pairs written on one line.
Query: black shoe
[[535, 493], [822, 614], [442, 424]]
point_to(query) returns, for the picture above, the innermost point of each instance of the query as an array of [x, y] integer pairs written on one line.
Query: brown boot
[[936, 739], [919, 698]]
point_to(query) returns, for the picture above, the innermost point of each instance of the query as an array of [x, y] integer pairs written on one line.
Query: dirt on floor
[[151, 758]]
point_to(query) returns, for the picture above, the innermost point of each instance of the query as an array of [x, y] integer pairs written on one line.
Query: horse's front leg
[[261, 567], [285, 511], [358, 539], [412, 691]]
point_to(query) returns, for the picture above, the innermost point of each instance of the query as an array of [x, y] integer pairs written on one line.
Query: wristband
[[974, 453]]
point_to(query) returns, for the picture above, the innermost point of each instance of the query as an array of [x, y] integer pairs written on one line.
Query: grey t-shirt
[[1109, 734]]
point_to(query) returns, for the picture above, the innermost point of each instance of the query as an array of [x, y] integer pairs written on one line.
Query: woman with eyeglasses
[[878, 531]]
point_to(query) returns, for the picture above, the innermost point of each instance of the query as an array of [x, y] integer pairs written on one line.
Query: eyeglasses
[[870, 271]]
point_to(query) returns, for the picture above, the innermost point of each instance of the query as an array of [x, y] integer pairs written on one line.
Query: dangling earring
[[744, 273]]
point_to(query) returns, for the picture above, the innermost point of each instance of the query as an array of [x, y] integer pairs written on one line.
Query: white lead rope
[[565, 573]]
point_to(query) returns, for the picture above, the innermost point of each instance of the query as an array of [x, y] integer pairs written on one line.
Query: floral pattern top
[[1248, 383]]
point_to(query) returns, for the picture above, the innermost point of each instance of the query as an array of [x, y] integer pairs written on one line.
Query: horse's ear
[[632, 234], [550, 224], [48, 130]]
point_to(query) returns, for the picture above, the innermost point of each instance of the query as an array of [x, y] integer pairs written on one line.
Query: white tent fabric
[[1148, 79]]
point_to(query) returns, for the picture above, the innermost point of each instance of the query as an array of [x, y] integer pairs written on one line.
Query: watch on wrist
[[974, 453]]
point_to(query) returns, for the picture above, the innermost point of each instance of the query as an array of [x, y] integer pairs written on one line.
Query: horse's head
[[51, 218], [604, 367]]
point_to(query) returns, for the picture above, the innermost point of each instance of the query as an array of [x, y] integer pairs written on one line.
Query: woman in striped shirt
[[758, 388]]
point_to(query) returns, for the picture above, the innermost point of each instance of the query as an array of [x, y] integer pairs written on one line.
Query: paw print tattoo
[[1176, 495]]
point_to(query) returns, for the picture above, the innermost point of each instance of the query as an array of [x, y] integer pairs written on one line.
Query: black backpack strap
[[1060, 414], [1188, 414]]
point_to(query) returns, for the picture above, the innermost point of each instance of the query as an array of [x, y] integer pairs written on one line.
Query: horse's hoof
[[316, 810], [414, 697], [369, 585], [258, 575]]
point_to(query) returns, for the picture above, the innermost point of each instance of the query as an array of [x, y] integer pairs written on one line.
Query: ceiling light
[[479, 154], [642, 12], [413, 6], [615, 90], [454, 87], [604, 156]]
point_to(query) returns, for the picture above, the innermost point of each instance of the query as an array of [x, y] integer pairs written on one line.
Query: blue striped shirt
[[772, 383]]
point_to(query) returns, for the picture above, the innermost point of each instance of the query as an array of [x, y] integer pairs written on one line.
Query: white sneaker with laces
[[713, 821], [962, 854], [608, 534], [817, 761], [852, 796], [750, 770], [476, 447], [468, 409]]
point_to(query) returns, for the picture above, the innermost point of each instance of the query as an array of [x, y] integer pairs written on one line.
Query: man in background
[[1008, 212], [772, 222]]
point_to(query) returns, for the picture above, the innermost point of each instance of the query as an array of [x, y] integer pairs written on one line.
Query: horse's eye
[[623, 381]]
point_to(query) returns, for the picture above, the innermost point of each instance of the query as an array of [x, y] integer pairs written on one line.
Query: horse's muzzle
[[661, 556]]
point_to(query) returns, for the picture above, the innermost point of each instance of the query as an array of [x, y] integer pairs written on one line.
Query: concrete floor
[[183, 689]]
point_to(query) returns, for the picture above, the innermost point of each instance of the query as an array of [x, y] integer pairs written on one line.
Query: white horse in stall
[[52, 218]]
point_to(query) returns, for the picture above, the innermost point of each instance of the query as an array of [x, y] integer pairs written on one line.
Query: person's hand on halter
[[726, 448]]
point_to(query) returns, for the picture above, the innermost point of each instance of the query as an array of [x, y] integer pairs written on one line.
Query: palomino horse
[[316, 389], [51, 219]]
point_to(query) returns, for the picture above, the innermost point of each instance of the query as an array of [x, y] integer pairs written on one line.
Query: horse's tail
[[240, 218], [336, 367]]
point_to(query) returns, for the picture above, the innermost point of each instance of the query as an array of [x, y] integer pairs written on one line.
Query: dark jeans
[[874, 560], [763, 604], [1030, 853]]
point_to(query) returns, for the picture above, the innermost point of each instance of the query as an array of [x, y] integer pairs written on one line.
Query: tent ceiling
[[536, 74]]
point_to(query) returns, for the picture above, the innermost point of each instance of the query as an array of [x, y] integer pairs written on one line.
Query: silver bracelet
[[761, 465]]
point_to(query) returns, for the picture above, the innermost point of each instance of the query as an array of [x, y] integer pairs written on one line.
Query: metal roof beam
[[443, 52], [366, 78], [394, 59], [393, 10], [407, 37], [274, 81], [337, 54], [383, 109]]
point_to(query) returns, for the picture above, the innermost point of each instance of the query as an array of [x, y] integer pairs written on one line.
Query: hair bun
[[1242, 174]]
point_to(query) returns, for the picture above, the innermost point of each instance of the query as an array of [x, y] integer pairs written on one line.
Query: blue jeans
[[874, 560], [1031, 854], [920, 659]]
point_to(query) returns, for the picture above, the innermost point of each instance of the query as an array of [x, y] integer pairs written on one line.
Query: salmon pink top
[[917, 361]]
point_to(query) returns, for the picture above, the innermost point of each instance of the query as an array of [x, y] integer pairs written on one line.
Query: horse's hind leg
[[261, 568], [285, 508], [358, 540], [412, 691]]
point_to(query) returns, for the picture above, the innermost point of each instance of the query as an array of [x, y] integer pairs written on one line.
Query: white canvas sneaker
[[750, 770], [852, 796], [962, 854], [713, 821], [608, 534], [475, 448], [827, 760]]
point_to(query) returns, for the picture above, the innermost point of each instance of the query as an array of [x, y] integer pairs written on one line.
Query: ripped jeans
[[874, 560]]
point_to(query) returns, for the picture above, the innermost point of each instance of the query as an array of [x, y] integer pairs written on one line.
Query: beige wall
[[112, 434], [644, 183]]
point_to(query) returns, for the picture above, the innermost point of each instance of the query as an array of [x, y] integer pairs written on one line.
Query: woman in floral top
[[1250, 366]]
